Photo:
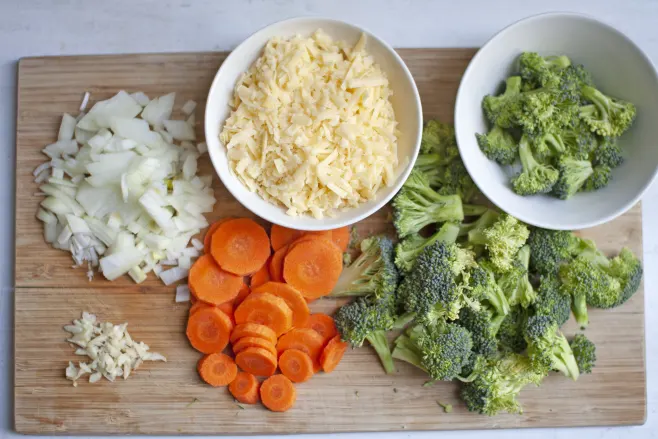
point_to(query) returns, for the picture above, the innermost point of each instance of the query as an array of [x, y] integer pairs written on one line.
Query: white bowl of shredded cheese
[[313, 123]]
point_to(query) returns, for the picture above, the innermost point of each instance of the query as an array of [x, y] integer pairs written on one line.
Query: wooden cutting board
[[168, 398]]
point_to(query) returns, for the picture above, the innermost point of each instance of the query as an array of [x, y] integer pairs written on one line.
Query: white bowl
[[619, 69], [405, 101]]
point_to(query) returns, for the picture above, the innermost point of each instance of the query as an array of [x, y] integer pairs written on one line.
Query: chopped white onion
[[188, 107], [179, 129], [182, 293], [66, 128], [202, 147], [173, 275]]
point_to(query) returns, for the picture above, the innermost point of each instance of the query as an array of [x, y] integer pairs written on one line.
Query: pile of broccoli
[[480, 298], [562, 129]]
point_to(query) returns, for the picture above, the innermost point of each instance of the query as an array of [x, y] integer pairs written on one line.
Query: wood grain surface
[[168, 398]]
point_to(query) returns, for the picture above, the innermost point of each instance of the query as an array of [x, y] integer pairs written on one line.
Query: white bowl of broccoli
[[555, 121]]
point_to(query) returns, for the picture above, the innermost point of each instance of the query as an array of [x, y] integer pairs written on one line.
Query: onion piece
[[173, 275], [182, 293]]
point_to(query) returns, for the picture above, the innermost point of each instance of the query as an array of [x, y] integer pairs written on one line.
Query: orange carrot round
[[341, 237], [313, 267], [296, 365], [211, 284], [253, 342], [217, 369], [208, 330], [293, 298], [261, 276], [265, 309], [305, 340], [323, 325], [278, 393], [245, 388], [242, 294], [276, 264], [256, 361], [240, 246], [208, 236], [332, 354], [282, 236], [253, 330]]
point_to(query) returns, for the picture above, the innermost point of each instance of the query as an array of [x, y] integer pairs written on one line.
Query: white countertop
[[67, 27]]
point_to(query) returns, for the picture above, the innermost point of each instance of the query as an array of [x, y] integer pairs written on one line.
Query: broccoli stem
[[564, 361], [379, 342], [528, 161], [474, 209], [406, 351], [403, 320], [579, 309]]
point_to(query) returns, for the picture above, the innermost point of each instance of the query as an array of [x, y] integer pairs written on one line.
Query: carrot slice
[[305, 340], [261, 276], [253, 342], [257, 361], [242, 294], [266, 309], [296, 365], [208, 330], [227, 308], [211, 284], [240, 246], [253, 330], [332, 354], [323, 325], [282, 236], [278, 393], [217, 369], [313, 267], [244, 388], [341, 237], [293, 298], [276, 264], [208, 236]]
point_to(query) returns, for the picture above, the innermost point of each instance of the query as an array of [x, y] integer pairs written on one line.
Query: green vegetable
[[606, 116], [585, 353], [408, 250], [503, 238], [548, 349], [515, 283], [536, 178], [500, 110], [483, 325], [549, 248], [573, 174], [542, 71], [499, 145], [510, 333], [552, 301]]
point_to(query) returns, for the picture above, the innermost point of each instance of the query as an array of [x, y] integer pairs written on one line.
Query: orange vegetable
[[296, 365], [323, 325], [253, 330], [313, 267], [257, 361], [227, 308], [265, 309], [217, 369], [244, 388], [305, 340], [208, 330], [242, 294], [278, 393], [276, 264], [262, 275], [253, 342], [211, 284], [240, 246], [341, 237], [282, 236], [293, 298], [332, 354], [208, 236]]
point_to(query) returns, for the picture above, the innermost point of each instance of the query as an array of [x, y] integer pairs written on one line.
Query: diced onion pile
[[112, 351], [122, 191], [312, 127]]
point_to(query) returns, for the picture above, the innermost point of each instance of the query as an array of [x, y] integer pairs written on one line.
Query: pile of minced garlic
[[312, 127]]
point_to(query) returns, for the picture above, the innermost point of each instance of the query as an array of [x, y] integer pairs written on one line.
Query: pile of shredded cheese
[[312, 127]]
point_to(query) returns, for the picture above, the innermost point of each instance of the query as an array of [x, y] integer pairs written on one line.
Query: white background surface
[[61, 27]]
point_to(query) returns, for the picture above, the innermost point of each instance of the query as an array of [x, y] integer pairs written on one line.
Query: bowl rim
[[349, 220], [573, 225]]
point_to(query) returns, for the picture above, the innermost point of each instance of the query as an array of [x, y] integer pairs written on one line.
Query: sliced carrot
[[211, 284], [296, 365], [257, 361], [245, 388], [313, 267], [208, 330], [266, 309], [253, 330], [278, 393], [276, 264], [208, 236], [309, 237], [217, 369], [253, 342], [341, 237], [282, 236], [240, 246], [293, 298], [197, 306], [305, 340], [332, 354], [323, 325], [261, 276], [227, 308]]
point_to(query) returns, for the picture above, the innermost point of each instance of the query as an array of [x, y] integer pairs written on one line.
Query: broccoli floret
[[548, 349], [373, 272], [484, 288], [601, 176], [498, 383], [607, 153], [572, 79], [542, 111], [547, 146], [498, 145], [535, 178], [417, 205], [485, 220], [441, 349], [502, 110], [573, 174], [542, 71], [585, 353], [368, 319], [454, 179], [515, 283], [408, 250], [510, 333], [437, 137], [483, 325], [579, 140], [551, 300], [502, 239], [549, 248], [626, 268], [606, 116]]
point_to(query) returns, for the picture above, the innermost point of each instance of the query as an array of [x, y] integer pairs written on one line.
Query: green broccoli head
[[454, 179], [552, 300], [510, 333], [548, 349], [607, 153], [408, 249], [572, 79], [535, 178], [548, 146], [627, 269], [502, 110], [573, 174], [542, 111], [585, 353], [372, 273], [437, 138], [542, 71], [498, 145], [502, 239], [601, 176], [484, 288], [606, 116], [515, 283], [356, 320], [483, 325], [579, 140], [549, 248]]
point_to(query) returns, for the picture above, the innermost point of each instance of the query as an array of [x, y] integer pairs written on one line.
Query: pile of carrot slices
[[251, 291]]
